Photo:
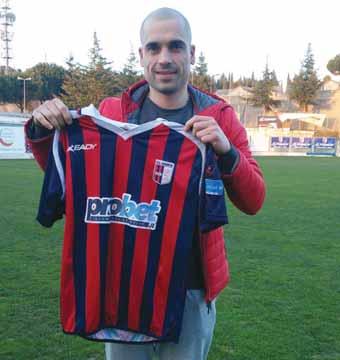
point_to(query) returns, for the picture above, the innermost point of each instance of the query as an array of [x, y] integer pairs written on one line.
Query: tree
[[70, 62], [231, 81], [222, 82], [288, 83], [334, 65], [246, 81], [85, 84], [95, 55], [252, 80], [273, 78], [200, 76], [201, 68], [263, 90], [11, 90], [74, 93], [47, 81], [129, 74], [305, 85], [100, 80]]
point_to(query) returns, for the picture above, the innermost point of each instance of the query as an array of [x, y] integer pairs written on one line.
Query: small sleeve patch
[[214, 187]]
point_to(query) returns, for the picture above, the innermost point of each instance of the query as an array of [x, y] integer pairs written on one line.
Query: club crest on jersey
[[106, 210], [79, 147], [162, 172]]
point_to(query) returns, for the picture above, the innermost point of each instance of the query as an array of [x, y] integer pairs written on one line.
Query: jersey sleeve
[[52, 198], [213, 210]]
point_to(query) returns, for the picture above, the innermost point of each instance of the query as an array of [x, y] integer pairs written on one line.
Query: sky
[[235, 36]]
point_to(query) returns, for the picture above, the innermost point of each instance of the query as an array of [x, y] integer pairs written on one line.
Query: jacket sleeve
[[40, 144], [241, 173]]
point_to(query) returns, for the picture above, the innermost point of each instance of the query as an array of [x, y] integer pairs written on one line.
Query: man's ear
[[192, 54], [140, 51]]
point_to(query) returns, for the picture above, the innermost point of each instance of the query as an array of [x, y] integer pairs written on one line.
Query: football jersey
[[132, 196]]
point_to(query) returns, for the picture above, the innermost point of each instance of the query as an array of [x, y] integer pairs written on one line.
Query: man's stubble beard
[[166, 91], [176, 87]]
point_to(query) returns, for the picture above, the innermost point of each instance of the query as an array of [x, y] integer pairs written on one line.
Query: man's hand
[[206, 129], [52, 114]]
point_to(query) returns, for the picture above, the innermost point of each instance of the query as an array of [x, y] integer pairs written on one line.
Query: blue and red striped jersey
[[132, 196]]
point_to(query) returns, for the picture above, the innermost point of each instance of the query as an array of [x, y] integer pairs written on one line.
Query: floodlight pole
[[24, 80]]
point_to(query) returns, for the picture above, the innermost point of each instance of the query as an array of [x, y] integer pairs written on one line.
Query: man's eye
[[153, 47], [176, 46]]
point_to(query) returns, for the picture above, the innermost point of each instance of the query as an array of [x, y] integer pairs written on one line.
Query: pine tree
[[201, 68], [222, 82], [253, 81], [263, 90], [96, 58], [74, 85], [92, 83], [230, 81], [200, 77], [288, 84], [100, 80], [274, 79], [129, 75], [288, 80], [306, 84]]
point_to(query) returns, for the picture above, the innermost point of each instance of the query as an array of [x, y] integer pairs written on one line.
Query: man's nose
[[164, 56]]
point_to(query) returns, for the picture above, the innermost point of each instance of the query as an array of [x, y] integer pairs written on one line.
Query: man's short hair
[[166, 14]]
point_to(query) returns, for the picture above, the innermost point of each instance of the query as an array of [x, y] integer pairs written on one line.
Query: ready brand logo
[[79, 147]]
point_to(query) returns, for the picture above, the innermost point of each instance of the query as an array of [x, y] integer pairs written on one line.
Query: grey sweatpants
[[195, 339]]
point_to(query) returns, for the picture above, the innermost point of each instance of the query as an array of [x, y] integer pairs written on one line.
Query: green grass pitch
[[283, 301]]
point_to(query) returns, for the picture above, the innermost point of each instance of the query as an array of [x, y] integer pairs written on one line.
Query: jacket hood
[[134, 96]]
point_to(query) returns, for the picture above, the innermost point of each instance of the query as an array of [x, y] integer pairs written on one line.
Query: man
[[166, 54]]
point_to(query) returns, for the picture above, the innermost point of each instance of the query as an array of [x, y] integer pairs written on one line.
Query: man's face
[[166, 55]]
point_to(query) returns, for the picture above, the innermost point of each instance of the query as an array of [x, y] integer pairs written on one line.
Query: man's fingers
[[52, 114], [201, 125], [197, 126], [63, 110], [198, 122], [40, 120], [189, 124], [42, 117], [206, 131], [57, 114], [45, 111], [208, 139]]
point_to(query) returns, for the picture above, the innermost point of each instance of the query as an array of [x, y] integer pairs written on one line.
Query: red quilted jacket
[[245, 185]]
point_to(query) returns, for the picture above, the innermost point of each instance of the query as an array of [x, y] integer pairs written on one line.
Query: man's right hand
[[52, 114]]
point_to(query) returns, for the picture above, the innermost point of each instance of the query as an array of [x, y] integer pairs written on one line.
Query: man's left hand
[[206, 129]]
